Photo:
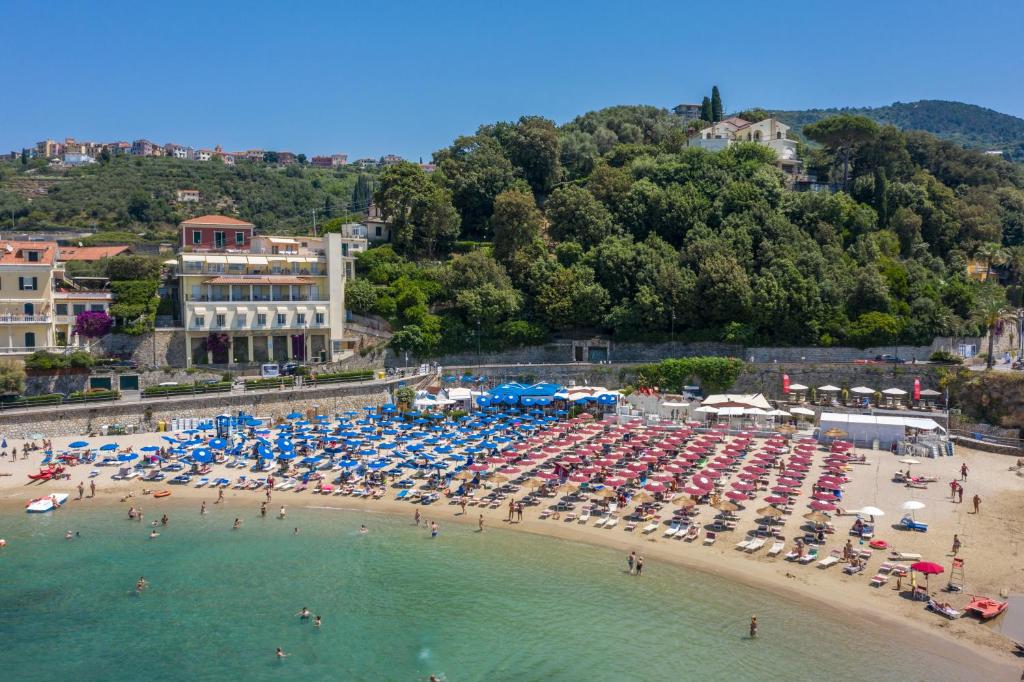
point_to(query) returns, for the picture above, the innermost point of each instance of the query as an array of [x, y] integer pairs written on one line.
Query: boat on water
[[986, 608], [47, 503]]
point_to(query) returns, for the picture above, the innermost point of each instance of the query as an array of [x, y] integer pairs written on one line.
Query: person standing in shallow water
[[630, 561], [753, 627], [639, 565]]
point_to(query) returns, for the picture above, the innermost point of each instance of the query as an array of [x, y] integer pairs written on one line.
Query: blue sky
[[370, 78]]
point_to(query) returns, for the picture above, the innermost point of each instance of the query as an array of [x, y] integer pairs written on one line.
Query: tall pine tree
[[716, 105], [705, 109], [362, 193], [882, 198]]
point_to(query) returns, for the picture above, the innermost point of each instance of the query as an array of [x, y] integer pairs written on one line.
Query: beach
[[990, 539]]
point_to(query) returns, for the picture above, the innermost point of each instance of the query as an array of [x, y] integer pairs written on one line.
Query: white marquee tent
[[865, 428]]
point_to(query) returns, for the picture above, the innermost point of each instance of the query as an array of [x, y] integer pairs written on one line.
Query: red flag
[[785, 383], [917, 389]]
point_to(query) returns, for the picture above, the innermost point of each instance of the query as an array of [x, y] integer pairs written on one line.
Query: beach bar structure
[[874, 429]]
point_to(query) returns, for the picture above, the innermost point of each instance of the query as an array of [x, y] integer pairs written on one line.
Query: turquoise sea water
[[396, 605]]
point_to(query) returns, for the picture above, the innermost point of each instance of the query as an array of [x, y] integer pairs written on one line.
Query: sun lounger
[[710, 537], [672, 530], [650, 528], [402, 494], [910, 524], [630, 526], [603, 520], [692, 533], [906, 556], [943, 609], [900, 571], [757, 544], [202, 481], [809, 557], [743, 544], [545, 513], [885, 567], [853, 569], [776, 549], [879, 580], [585, 516], [612, 522], [828, 561]]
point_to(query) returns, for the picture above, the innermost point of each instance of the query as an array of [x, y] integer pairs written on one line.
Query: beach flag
[[917, 389], [785, 383]]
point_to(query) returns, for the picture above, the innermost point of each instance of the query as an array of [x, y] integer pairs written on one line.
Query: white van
[[270, 370]]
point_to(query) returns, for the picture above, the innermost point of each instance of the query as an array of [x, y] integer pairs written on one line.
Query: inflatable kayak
[[161, 493]]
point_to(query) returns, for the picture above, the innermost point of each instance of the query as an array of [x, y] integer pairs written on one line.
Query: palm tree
[[993, 309], [993, 254], [1015, 263]]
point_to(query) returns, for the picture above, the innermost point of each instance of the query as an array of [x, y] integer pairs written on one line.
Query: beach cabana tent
[[867, 428]]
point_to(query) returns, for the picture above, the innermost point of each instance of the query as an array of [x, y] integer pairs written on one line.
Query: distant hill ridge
[[967, 124]]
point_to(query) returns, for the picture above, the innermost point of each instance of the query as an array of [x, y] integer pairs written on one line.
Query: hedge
[[274, 382], [333, 377], [90, 395], [30, 400], [186, 389]]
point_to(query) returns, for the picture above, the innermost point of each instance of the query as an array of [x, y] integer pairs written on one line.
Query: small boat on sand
[[47, 503], [986, 608]]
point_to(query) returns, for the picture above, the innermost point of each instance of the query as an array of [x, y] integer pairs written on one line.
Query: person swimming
[[237, 524], [141, 584], [68, 535], [316, 622], [153, 534], [304, 613], [281, 653], [363, 530]]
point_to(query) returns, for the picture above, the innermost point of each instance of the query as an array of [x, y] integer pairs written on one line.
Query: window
[[377, 231], [218, 240], [33, 256], [241, 319], [97, 307], [28, 283], [240, 237], [62, 308], [280, 318], [300, 318], [344, 248], [197, 237], [319, 318], [220, 319], [78, 308], [199, 321], [30, 339], [261, 319], [778, 135], [29, 309]]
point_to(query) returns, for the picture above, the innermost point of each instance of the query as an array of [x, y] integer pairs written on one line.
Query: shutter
[[35, 284], [21, 284]]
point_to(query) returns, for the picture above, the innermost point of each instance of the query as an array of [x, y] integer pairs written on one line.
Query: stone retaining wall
[[85, 419]]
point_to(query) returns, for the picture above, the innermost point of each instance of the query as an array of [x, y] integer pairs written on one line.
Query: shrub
[[81, 358], [44, 359], [93, 324], [12, 378], [945, 357]]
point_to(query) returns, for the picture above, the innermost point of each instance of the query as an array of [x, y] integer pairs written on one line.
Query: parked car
[[290, 368], [895, 359]]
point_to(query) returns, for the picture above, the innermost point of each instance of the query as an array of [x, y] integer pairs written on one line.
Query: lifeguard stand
[[225, 426], [956, 575]]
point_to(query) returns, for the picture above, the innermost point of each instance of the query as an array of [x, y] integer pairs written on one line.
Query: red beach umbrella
[[747, 476], [702, 481], [819, 505], [572, 459], [655, 487], [776, 499], [784, 490], [745, 487], [694, 491], [579, 478], [825, 497], [614, 482], [736, 496]]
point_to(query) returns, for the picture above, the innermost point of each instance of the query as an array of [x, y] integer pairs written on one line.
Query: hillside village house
[[688, 112], [769, 132], [281, 299], [217, 233], [333, 161], [377, 229], [187, 196], [37, 304]]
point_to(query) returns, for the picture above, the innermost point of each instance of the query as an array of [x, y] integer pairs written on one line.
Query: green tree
[[532, 145], [716, 105], [575, 215], [992, 254], [362, 193], [476, 170], [840, 134], [418, 210], [882, 197], [361, 296], [516, 223], [875, 329], [991, 311], [705, 110], [12, 378]]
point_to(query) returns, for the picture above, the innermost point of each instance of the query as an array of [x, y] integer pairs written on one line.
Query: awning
[[192, 258], [199, 311], [282, 309], [281, 240], [221, 310], [258, 279], [257, 260], [216, 259], [237, 260]]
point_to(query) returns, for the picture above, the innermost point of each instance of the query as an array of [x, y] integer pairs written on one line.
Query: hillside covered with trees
[[124, 197], [966, 124], [611, 223]]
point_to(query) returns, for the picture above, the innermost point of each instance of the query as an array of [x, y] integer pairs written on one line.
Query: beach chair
[[630, 526], [853, 569], [754, 546], [545, 514], [612, 522], [710, 537], [585, 516], [879, 580], [650, 528], [603, 520], [202, 481], [402, 494], [910, 524], [812, 555], [692, 533], [776, 548], [743, 544], [831, 560], [672, 530]]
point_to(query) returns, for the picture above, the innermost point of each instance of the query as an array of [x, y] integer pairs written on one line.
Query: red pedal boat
[[46, 474], [986, 608]]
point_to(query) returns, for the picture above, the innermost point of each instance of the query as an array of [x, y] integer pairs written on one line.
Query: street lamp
[[479, 352]]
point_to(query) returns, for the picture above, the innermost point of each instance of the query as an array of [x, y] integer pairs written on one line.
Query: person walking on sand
[[977, 503], [952, 489], [630, 561], [959, 494], [220, 495], [416, 517], [753, 627], [956, 544], [202, 510], [462, 503], [519, 512], [81, 489], [963, 471]]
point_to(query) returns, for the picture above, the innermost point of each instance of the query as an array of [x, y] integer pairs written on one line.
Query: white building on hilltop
[[770, 132]]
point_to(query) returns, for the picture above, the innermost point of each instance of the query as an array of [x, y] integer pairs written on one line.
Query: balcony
[[16, 318]]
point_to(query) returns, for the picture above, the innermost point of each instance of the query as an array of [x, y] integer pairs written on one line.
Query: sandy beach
[[990, 540]]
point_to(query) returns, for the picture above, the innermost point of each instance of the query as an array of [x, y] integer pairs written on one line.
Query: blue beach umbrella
[[218, 443], [293, 415], [76, 444], [264, 451], [150, 448], [127, 457], [202, 456], [109, 446], [289, 454]]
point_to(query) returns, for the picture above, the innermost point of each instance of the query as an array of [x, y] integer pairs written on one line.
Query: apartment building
[[284, 299], [26, 296], [333, 161]]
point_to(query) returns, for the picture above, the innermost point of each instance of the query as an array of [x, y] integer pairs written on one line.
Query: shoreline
[[987, 650]]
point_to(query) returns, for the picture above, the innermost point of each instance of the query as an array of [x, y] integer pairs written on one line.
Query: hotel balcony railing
[[254, 299], [17, 317]]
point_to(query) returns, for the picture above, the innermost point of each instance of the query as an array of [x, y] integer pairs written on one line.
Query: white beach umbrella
[[797, 387], [802, 410], [910, 460], [912, 505], [862, 390], [894, 391], [779, 413], [707, 409], [755, 411], [829, 388], [871, 511]]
